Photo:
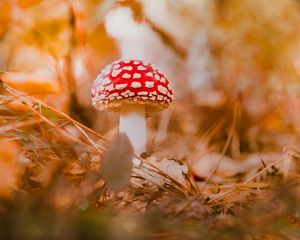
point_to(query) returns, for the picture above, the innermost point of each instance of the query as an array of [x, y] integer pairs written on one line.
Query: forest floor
[[62, 180]]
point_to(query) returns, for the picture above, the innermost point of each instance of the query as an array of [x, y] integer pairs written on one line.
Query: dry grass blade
[[167, 183], [78, 125], [159, 178], [17, 125], [33, 100], [236, 116], [239, 187]]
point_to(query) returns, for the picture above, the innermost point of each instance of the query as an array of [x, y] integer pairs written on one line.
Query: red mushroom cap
[[131, 82]]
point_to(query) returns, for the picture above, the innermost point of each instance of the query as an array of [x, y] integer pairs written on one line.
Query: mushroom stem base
[[133, 123]]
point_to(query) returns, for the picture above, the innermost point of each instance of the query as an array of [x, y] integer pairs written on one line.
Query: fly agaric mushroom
[[135, 89]]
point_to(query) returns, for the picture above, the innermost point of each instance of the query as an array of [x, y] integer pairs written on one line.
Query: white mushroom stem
[[133, 123]]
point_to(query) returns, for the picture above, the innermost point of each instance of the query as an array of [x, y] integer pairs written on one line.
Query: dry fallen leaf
[[116, 167], [206, 165]]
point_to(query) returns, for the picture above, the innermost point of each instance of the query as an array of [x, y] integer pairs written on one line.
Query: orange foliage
[[9, 167], [31, 82], [27, 3]]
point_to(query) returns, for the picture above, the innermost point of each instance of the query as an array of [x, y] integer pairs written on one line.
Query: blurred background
[[234, 66], [216, 53]]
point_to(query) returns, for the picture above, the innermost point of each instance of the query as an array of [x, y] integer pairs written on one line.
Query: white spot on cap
[[115, 72], [116, 66], [169, 95], [121, 86], [160, 97], [154, 93], [136, 84], [106, 81], [126, 61], [127, 93], [102, 96], [152, 98], [99, 78], [106, 70], [149, 74], [149, 84], [142, 68], [119, 97], [163, 80], [113, 95], [162, 89], [100, 88], [136, 75], [136, 62], [143, 93], [129, 68], [110, 87], [126, 75], [157, 77], [145, 98], [170, 87]]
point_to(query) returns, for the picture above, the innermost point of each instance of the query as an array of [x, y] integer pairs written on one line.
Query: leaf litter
[[64, 164]]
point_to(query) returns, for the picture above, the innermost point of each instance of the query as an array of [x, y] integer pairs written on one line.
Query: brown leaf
[[117, 162]]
